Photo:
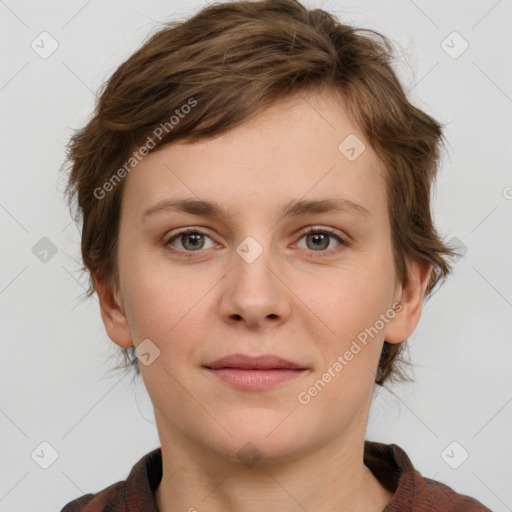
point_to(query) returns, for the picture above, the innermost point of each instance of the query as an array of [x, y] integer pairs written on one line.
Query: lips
[[245, 362], [260, 373]]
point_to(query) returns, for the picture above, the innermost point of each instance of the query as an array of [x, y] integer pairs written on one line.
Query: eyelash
[[309, 231]]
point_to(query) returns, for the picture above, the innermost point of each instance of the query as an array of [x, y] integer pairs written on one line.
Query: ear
[[112, 314], [411, 300]]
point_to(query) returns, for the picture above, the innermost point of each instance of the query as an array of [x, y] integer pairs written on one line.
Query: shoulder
[[134, 494], [412, 492], [111, 496], [433, 495]]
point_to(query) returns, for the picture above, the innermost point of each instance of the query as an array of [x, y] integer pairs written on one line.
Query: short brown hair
[[231, 61]]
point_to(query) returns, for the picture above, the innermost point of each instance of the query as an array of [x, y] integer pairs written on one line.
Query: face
[[249, 280]]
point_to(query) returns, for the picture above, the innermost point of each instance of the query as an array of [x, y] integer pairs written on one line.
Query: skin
[[302, 303]]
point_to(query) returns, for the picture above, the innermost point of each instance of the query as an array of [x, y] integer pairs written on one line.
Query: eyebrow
[[294, 208]]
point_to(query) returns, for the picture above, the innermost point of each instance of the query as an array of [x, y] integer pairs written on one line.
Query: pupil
[[318, 239], [195, 239]]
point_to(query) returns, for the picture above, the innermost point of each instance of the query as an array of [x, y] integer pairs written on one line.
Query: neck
[[330, 478]]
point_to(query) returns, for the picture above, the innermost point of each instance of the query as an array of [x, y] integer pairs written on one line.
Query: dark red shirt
[[388, 462]]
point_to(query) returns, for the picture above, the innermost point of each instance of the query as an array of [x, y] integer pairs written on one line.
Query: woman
[[255, 195]]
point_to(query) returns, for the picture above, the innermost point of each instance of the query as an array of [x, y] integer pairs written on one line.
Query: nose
[[254, 291]]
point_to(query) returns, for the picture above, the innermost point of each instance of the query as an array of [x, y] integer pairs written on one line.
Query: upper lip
[[263, 362]]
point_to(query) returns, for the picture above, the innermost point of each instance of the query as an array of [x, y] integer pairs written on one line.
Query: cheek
[[159, 309], [342, 308], [151, 295], [347, 296], [168, 305], [336, 301]]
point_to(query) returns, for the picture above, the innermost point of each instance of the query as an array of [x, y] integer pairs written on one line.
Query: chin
[[262, 435]]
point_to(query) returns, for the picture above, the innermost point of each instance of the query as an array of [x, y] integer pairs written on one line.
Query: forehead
[[301, 147]]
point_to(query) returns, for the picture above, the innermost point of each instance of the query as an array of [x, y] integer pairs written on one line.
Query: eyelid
[[324, 229], [343, 239], [183, 231]]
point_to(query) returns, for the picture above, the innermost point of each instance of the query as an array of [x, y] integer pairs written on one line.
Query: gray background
[[54, 380]]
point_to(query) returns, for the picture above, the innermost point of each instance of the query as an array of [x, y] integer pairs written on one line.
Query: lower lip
[[255, 379]]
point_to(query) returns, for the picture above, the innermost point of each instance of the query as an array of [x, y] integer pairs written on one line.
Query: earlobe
[[113, 315], [411, 300]]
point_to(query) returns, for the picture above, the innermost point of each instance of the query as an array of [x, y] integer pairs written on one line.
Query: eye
[[319, 239], [192, 240]]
